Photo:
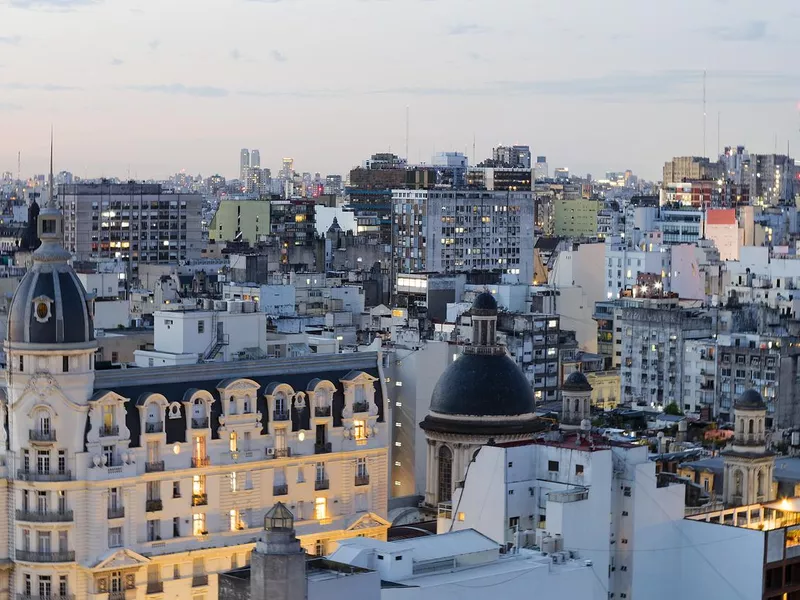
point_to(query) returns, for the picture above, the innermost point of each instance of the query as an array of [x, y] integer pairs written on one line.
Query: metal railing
[[280, 490], [282, 452], [280, 415], [119, 595], [154, 467], [45, 557], [322, 484], [362, 479], [199, 422], [116, 512], [154, 427], [199, 580], [154, 505], [49, 597], [38, 435], [322, 448], [200, 461], [322, 411], [35, 476], [44, 516], [109, 430], [155, 587], [199, 499], [360, 407]]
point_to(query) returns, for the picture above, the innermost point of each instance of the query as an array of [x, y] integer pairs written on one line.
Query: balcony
[[35, 476], [280, 490], [120, 595], [749, 439], [154, 427], [322, 484], [155, 587], [279, 452], [280, 415], [199, 580], [322, 448], [116, 512], [45, 557], [362, 479], [200, 461], [199, 499], [44, 516], [50, 597], [109, 430], [360, 407], [154, 467], [322, 411], [199, 422], [154, 505], [38, 435]]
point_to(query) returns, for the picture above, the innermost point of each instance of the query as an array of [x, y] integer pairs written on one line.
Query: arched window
[[280, 403], [231, 405], [43, 421], [741, 425], [760, 483], [247, 404], [445, 474], [750, 427], [234, 441], [737, 483]]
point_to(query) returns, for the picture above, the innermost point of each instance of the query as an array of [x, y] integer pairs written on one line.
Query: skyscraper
[[244, 163], [540, 171], [255, 159]]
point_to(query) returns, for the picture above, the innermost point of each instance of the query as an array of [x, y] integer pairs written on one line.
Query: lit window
[[360, 432], [461, 516], [234, 482], [398, 424], [234, 442], [199, 524], [234, 518], [398, 444], [320, 508]]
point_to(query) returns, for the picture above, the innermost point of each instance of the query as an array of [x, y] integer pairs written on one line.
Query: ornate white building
[[749, 465], [483, 397], [139, 483]]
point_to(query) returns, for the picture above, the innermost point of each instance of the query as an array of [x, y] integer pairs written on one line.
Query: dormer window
[[48, 226]]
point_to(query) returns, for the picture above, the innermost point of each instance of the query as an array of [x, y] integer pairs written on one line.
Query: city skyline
[[162, 89]]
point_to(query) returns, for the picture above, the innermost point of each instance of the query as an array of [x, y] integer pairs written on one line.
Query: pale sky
[[150, 87]]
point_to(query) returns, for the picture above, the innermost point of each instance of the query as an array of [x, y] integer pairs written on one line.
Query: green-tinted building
[[576, 218], [240, 220]]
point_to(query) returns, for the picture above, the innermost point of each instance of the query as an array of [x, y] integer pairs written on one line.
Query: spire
[[51, 225], [50, 201]]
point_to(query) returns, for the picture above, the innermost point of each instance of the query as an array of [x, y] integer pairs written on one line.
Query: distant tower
[[255, 159], [748, 464], [278, 563], [576, 401], [244, 164]]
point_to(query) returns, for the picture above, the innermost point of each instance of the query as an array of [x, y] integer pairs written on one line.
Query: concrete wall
[[110, 314]]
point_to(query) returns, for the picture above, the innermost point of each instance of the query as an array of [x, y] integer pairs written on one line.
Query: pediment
[[42, 388], [122, 559], [368, 521], [358, 377], [237, 385]]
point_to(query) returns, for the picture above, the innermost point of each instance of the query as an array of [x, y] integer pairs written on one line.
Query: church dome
[[750, 400], [576, 382], [484, 301]]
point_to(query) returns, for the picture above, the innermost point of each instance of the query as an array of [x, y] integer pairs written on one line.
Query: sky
[[147, 88]]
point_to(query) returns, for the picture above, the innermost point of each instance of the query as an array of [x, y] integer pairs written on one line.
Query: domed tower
[[49, 348], [481, 396], [576, 400], [748, 464]]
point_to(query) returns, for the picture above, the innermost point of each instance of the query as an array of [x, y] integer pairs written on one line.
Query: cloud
[[9, 106], [154, 44], [235, 54], [11, 40], [467, 29], [38, 87], [64, 5], [278, 56], [751, 31], [115, 62], [178, 89]]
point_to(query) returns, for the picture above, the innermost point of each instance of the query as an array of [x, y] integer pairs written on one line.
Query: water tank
[[208, 304], [548, 545], [249, 306], [559, 541], [220, 305], [234, 306]]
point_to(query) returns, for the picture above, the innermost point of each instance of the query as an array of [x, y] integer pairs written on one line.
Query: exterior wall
[[726, 239], [119, 347], [101, 285], [111, 314], [245, 220], [700, 376], [605, 389], [624, 265], [576, 218]]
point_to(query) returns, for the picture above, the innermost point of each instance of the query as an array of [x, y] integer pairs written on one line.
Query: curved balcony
[[322, 411], [360, 407], [154, 505], [154, 467], [199, 422], [199, 461], [109, 430], [45, 516], [45, 557], [24, 475], [42, 436], [362, 479], [154, 427], [280, 415]]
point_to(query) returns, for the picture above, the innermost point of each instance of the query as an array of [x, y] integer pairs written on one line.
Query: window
[[234, 519], [319, 548], [320, 471], [199, 524], [21, 363], [114, 499], [26, 539], [108, 454], [153, 530], [62, 462], [42, 461], [28, 585], [26, 460], [198, 485], [61, 500], [201, 326], [116, 581], [552, 466], [115, 357], [114, 537], [234, 482], [43, 541], [233, 441], [445, 473], [45, 588], [361, 467], [62, 586], [176, 527], [65, 364], [360, 432], [513, 522], [153, 490], [41, 502], [176, 489], [108, 416], [578, 469], [320, 508]]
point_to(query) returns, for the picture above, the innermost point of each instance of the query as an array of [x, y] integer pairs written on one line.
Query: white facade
[[699, 376], [624, 264]]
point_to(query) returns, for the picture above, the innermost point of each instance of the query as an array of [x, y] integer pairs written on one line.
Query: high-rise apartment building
[[771, 178], [690, 167], [255, 159], [540, 170], [244, 163], [449, 231], [143, 223], [512, 156]]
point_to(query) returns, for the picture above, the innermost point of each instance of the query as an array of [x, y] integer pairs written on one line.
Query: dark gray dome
[[576, 382], [484, 301], [50, 307], [750, 400], [481, 386]]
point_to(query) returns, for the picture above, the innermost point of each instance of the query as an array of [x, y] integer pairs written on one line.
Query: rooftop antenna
[[407, 158], [50, 201], [704, 112], [718, 133], [474, 157]]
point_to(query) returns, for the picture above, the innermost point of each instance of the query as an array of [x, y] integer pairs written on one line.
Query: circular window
[[42, 309]]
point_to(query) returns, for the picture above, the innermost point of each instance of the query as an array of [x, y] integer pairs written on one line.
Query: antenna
[[474, 157], [407, 134], [704, 112], [718, 134], [50, 202]]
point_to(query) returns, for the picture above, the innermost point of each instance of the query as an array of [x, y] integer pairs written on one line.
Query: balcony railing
[[44, 516], [322, 411], [119, 595], [155, 587], [154, 427], [38, 435], [35, 476], [109, 430], [280, 415], [49, 597], [116, 512], [360, 407], [280, 490], [154, 505], [322, 448], [199, 580], [199, 422], [362, 479], [199, 499], [154, 467], [282, 452], [45, 557], [322, 484], [200, 461]]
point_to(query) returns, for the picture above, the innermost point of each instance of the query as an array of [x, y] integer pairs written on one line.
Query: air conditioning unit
[[270, 451]]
